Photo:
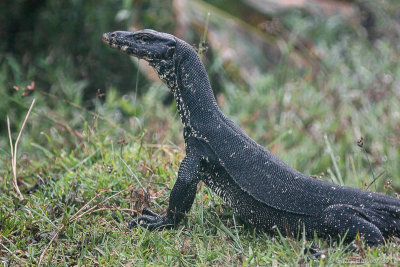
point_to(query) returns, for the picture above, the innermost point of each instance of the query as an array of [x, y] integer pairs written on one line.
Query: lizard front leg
[[180, 200]]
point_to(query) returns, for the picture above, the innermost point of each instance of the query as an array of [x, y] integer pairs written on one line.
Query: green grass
[[310, 118], [209, 235]]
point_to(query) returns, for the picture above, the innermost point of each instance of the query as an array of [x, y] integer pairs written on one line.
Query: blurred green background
[[288, 74]]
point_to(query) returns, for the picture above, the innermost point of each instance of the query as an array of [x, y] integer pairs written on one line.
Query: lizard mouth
[[106, 39], [111, 41]]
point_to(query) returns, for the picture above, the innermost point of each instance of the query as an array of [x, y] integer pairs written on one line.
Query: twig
[[101, 202], [78, 215], [203, 39], [87, 204], [11, 143], [376, 178], [14, 150], [133, 174], [54, 238], [114, 208], [370, 168], [49, 244], [9, 250]]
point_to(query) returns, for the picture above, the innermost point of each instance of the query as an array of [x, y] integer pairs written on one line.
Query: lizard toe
[[151, 222], [142, 221]]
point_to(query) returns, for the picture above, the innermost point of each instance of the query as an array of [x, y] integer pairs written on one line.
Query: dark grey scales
[[262, 190]]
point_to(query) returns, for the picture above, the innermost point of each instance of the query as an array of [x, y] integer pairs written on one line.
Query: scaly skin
[[263, 190]]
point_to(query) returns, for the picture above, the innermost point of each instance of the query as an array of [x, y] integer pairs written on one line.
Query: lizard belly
[[252, 211]]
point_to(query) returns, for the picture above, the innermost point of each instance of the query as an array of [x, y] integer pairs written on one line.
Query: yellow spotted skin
[[263, 190]]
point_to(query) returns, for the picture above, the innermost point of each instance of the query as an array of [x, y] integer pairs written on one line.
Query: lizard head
[[145, 44], [155, 47]]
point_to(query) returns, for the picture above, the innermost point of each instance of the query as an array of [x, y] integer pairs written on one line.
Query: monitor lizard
[[263, 190]]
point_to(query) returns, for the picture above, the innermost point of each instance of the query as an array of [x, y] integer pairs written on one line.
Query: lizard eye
[[144, 39], [113, 34]]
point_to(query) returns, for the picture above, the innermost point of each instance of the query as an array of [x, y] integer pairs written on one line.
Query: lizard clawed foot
[[151, 220]]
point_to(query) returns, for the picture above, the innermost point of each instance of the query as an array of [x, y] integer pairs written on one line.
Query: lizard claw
[[142, 221], [151, 220], [149, 212]]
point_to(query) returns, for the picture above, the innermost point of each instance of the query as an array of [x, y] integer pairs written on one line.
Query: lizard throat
[[167, 73]]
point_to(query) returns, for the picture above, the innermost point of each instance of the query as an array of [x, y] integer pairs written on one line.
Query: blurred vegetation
[[307, 83]]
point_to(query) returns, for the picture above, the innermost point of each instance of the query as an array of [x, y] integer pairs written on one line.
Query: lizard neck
[[194, 97]]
